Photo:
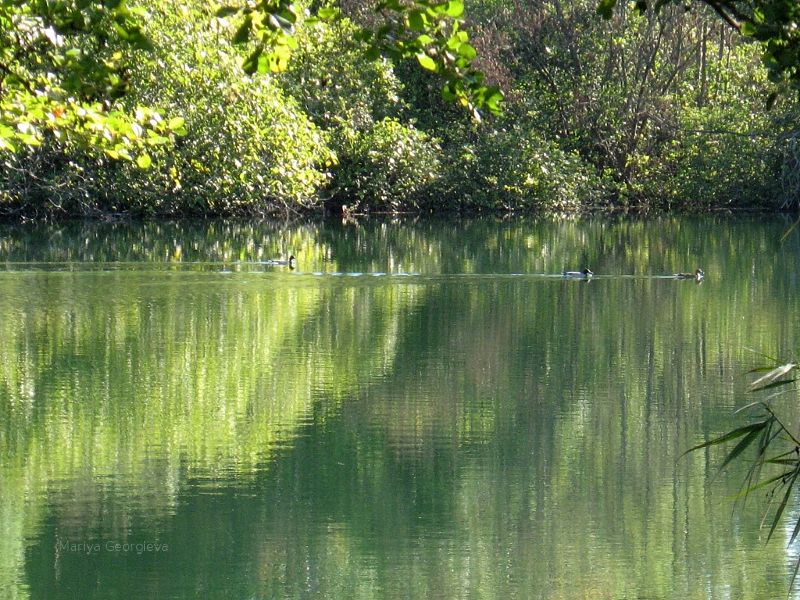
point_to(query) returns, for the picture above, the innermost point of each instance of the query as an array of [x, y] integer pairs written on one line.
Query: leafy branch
[[766, 432], [429, 31], [774, 24]]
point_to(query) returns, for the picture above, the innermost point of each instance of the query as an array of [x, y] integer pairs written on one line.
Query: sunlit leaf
[[467, 51], [328, 13], [426, 61], [455, 8], [771, 376], [144, 161], [176, 123]]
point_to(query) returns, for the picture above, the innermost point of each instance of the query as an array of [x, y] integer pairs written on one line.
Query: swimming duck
[[585, 274], [291, 262], [697, 275]]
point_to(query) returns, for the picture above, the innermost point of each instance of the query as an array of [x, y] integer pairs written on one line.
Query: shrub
[[247, 146], [390, 167], [511, 167], [723, 157], [337, 86]]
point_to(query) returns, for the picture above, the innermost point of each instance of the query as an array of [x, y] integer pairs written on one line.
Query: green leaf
[[467, 51], [281, 23], [427, 62], [455, 8], [7, 145], [776, 519], [727, 437], [417, 20], [765, 483], [328, 13], [28, 139], [176, 123], [493, 100], [144, 161], [774, 384], [742, 445], [769, 378]]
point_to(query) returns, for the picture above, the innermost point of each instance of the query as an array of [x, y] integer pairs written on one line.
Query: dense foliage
[[199, 108], [773, 23]]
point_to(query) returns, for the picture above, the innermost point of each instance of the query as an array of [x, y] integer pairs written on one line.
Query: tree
[[63, 65], [62, 73], [775, 24]]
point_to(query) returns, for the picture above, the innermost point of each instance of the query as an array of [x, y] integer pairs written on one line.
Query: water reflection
[[468, 424]]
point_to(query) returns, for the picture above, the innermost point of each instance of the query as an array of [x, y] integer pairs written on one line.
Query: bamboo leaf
[[781, 461], [764, 483], [731, 435], [740, 447], [782, 506], [783, 238], [772, 359], [794, 574], [750, 405], [760, 370], [774, 384], [774, 374], [795, 531]]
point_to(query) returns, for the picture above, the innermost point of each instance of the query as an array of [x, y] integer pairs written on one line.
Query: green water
[[419, 410]]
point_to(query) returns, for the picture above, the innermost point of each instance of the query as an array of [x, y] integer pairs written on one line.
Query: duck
[[291, 262], [697, 275], [585, 274]]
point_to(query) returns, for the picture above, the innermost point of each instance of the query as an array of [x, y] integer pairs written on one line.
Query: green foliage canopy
[[62, 73], [64, 65]]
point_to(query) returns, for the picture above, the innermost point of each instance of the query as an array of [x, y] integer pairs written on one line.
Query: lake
[[421, 409]]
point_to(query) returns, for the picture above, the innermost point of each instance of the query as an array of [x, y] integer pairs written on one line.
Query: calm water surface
[[419, 410]]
